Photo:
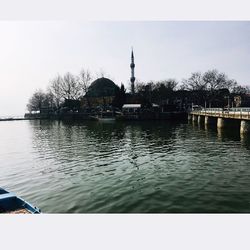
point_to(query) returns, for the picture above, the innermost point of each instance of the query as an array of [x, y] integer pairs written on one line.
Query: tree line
[[68, 86], [211, 87]]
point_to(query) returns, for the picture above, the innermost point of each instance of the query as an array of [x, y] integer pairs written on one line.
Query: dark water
[[125, 167]]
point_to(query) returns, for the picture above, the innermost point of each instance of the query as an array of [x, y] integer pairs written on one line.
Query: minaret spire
[[132, 78]]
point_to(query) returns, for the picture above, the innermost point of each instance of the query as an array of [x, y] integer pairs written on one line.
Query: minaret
[[132, 78]]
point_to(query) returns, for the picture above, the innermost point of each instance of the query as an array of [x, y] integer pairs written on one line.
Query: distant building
[[131, 108], [242, 100], [237, 101], [101, 93]]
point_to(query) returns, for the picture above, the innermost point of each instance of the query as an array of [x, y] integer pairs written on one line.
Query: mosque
[[103, 90]]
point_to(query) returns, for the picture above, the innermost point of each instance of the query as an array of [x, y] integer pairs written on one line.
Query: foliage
[[212, 88], [40, 100], [70, 87], [195, 82], [120, 97], [85, 79], [156, 92], [55, 89], [240, 90]]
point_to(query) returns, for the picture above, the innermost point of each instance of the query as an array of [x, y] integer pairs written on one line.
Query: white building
[[131, 108]]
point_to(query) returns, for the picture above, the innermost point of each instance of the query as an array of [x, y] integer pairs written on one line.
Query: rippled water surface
[[125, 167]]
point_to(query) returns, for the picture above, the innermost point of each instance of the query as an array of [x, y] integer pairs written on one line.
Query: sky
[[32, 53]]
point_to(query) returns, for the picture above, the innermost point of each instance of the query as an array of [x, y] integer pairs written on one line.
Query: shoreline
[[80, 116], [14, 119]]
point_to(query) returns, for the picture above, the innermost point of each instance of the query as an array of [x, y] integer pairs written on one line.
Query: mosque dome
[[102, 87]]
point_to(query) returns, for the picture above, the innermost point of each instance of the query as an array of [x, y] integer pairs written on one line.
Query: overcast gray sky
[[32, 53]]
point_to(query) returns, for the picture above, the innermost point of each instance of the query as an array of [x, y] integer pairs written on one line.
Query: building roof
[[155, 105], [131, 106], [102, 87]]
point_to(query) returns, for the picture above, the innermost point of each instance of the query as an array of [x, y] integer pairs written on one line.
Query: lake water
[[134, 167]]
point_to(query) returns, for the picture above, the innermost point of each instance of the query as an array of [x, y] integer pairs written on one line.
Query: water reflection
[[56, 135], [223, 134], [245, 140], [227, 134], [129, 167]]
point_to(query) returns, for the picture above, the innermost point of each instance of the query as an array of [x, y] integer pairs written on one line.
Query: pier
[[233, 117]]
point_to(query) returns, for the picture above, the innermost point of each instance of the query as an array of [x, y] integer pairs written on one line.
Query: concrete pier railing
[[223, 118]]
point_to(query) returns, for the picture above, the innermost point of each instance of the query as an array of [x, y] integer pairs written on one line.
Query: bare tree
[[232, 85], [139, 86], [240, 90], [70, 88], [49, 100], [56, 89], [101, 73], [37, 100], [216, 80], [195, 82], [85, 79], [169, 84]]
